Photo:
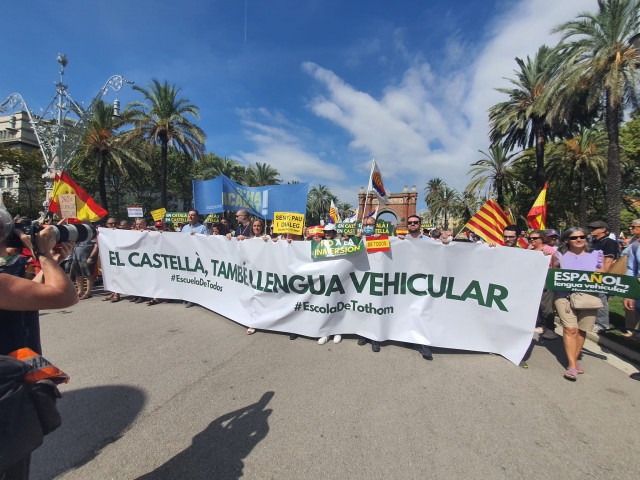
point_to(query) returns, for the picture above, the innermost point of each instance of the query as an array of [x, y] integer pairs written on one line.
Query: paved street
[[166, 392]]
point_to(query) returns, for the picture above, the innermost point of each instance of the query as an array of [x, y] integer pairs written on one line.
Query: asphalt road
[[166, 392]]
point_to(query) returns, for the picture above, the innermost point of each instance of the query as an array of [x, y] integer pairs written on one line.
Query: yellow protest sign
[[158, 214], [291, 223], [212, 218], [380, 244]]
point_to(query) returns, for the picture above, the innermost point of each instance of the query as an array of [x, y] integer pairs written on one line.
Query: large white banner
[[462, 295]]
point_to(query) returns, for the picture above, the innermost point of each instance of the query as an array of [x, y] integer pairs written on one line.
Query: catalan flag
[[86, 207], [376, 185], [333, 214], [489, 222], [537, 216]]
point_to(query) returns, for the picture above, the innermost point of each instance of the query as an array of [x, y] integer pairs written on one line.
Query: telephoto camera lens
[[78, 232]]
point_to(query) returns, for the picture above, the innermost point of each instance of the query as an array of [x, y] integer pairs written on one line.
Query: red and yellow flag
[[380, 244], [86, 207], [537, 216], [333, 214], [489, 222]]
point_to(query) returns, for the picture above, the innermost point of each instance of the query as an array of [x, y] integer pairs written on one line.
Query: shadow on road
[[218, 451], [556, 347], [91, 419]]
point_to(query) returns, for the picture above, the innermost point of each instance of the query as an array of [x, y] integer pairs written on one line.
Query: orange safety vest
[[39, 367]]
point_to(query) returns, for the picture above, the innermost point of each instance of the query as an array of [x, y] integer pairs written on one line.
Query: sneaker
[[322, 340], [550, 334], [337, 338], [293, 337], [189, 305], [362, 341], [599, 329], [523, 364], [375, 346]]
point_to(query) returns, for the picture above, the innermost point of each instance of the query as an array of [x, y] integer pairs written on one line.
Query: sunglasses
[[413, 223], [533, 238], [577, 237]]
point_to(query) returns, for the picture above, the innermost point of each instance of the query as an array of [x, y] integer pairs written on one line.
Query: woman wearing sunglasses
[[575, 253]]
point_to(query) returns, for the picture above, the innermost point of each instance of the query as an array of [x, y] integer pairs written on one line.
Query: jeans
[[602, 316]]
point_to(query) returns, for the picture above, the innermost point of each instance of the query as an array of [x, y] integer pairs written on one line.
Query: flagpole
[[366, 197]]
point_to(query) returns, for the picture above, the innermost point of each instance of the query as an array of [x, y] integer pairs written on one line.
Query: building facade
[[15, 132]]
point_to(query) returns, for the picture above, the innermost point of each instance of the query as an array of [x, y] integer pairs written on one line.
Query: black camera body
[[78, 232]]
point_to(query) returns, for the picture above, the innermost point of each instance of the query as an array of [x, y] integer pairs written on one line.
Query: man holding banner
[[414, 225], [244, 225], [194, 225]]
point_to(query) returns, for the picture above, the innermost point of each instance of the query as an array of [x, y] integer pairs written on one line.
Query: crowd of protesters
[[574, 245]]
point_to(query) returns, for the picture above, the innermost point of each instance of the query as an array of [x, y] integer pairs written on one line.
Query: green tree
[[521, 120], [434, 191], [260, 175], [601, 61], [344, 209], [318, 203], [108, 150], [493, 173], [29, 167], [212, 166], [161, 119], [579, 156]]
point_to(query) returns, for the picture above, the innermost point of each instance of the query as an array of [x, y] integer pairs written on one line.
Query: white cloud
[[432, 125], [428, 124], [280, 144]]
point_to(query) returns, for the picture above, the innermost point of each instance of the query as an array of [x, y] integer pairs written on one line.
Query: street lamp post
[[57, 133]]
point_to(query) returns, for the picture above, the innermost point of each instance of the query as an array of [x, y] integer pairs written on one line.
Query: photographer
[[21, 299]]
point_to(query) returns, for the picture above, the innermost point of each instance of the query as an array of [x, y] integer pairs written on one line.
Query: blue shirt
[[633, 260], [197, 228]]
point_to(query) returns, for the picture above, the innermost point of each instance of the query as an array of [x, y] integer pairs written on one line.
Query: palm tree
[[602, 60], [109, 150], [260, 175], [580, 155], [162, 120], [493, 173], [319, 201], [443, 202], [212, 166], [434, 190], [344, 209], [467, 206], [521, 120]]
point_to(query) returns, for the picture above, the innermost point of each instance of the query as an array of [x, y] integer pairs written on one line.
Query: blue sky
[[313, 87]]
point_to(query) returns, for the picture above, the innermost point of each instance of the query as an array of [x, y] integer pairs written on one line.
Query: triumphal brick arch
[[401, 205]]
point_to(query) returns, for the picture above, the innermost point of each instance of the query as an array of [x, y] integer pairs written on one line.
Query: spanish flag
[[489, 222], [86, 207], [537, 216]]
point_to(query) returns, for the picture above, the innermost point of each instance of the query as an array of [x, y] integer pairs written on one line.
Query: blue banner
[[221, 194]]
